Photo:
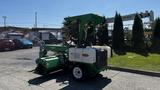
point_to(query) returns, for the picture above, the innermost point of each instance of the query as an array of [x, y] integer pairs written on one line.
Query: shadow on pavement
[[23, 58], [96, 83]]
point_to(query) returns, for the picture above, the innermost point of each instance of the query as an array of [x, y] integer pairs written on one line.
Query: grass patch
[[136, 61]]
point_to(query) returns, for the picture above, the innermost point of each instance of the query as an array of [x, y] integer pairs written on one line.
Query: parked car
[[22, 43], [49, 38], [6, 44]]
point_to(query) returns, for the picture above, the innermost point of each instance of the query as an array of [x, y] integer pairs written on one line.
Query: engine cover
[[84, 55]]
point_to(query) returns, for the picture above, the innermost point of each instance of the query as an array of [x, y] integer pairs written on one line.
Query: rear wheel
[[31, 46], [78, 73]]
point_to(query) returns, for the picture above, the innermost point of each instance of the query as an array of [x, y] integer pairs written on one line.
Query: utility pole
[[35, 19], [4, 17]]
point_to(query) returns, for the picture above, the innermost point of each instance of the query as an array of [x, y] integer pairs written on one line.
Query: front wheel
[[41, 70], [78, 73]]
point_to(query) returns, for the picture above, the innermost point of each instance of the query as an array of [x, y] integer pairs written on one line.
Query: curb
[[148, 73]]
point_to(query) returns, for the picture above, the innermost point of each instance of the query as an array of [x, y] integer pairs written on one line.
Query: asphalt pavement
[[16, 73]]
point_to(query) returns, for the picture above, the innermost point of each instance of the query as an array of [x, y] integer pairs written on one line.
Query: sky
[[51, 13]]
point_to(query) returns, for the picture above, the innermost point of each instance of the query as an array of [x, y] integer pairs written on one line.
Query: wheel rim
[[77, 72]]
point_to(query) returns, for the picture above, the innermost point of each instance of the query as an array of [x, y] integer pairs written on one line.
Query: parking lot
[[16, 73]]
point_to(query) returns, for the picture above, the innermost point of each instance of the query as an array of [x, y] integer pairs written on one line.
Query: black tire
[[11, 49], [78, 73], [41, 70]]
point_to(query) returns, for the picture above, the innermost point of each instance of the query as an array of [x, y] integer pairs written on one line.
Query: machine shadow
[[96, 83]]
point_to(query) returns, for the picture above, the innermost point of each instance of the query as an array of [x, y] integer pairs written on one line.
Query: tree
[[156, 34], [138, 34], [89, 34], [70, 30], [118, 33], [102, 33]]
